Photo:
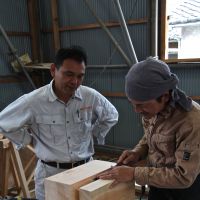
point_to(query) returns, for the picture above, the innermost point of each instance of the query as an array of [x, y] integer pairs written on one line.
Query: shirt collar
[[78, 93], [53, 97]]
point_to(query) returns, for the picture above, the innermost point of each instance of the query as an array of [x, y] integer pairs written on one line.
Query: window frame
[[163, 37]]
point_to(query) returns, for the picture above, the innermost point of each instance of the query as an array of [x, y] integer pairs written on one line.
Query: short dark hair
[[76, 53]]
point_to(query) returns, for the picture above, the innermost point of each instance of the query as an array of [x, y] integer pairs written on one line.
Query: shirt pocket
[[82, 125], [52, 129]]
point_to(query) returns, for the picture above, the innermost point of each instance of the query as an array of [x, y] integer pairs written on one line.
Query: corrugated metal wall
[[13, 18], [99, 48]]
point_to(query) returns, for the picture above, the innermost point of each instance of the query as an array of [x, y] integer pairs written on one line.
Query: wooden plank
[[12, 79], [5, 166], [34, 29], [109, 24], [163, 32], [65, 185], [15, 33], [56, 34], [39, 66], [15, 175], [20, 171], [182, 60], [99, 190]]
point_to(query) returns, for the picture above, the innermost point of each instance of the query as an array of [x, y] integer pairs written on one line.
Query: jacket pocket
[[51, 129]]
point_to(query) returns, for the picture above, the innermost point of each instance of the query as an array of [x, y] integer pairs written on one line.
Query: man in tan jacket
[[171, 141]]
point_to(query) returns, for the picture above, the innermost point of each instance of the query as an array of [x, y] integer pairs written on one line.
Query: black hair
[[159, 99], [76, 53]]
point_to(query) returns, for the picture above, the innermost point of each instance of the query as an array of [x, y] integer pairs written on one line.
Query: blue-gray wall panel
[[118, 79], [65, 37], [134, 8], [95, 42], [14, 15], [99, 79], [45, 14], [47, 47], [189, 75], [78, 13], [128, 130], [140, 40], [10, 92]]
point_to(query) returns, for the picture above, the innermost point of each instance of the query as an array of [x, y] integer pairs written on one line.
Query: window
[[180, 30]]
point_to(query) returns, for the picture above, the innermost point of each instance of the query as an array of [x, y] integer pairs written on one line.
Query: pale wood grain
[[99, 190], [65, 185]]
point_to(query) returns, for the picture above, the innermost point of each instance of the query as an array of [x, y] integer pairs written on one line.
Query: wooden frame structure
[[11, 165]]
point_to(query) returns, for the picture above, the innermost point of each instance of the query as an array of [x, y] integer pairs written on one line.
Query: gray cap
[[149, 79]]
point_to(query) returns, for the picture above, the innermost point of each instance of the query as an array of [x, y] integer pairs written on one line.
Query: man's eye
[[68, 74], [80, 77]]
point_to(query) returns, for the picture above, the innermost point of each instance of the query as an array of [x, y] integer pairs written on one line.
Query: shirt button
[[67, 121], [53, 121], [69, 138]]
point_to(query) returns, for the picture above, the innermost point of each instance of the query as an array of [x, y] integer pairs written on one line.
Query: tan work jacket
[[172, 145]]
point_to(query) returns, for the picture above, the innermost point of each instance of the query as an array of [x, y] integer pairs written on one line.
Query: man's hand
[[118, 174], [128, 156]]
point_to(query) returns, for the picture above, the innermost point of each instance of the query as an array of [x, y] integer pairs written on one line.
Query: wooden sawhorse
[[10, 163]]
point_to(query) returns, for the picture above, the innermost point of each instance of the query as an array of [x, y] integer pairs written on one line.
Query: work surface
[[79, 184]]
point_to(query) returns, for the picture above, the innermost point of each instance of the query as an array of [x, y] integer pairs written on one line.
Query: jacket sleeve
[[13, 122], [187, 166], [106, 117], [142, 147]]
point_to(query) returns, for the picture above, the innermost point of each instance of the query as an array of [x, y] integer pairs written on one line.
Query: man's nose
[[74, 80]]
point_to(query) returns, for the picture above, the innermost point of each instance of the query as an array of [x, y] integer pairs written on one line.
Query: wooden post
[[163, 24], [20, 171], [5, 166], [34, 29], [55, 24]]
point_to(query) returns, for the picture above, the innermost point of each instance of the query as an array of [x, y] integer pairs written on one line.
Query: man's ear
[[53, 69], [166, 96]]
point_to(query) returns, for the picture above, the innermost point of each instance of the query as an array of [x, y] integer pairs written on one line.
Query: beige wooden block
[[99, 190], [65, 185], [1, 136]]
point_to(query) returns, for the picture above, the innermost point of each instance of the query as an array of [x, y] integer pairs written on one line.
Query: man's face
[[68, 77], [151, 108]]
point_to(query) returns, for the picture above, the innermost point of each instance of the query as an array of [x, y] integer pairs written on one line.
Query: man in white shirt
[[60, 118]]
